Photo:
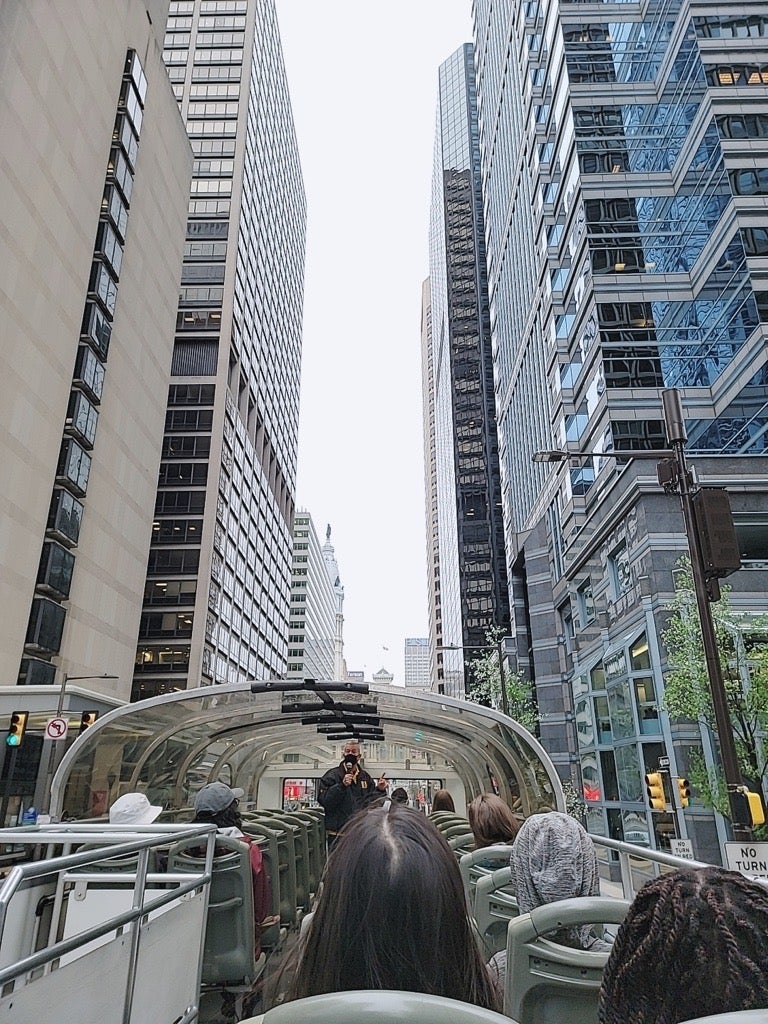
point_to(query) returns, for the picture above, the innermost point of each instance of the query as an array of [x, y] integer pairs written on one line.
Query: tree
[[485, 683], [742, 641]]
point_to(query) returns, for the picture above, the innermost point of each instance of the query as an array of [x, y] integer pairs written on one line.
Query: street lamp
[[59, 709], [499, 648], [675, 477]]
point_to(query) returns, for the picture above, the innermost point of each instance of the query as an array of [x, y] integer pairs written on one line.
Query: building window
[[74, 466], [752, 533], [621, 571], [46, 624], [162, 659], [55, 572], [586, 603], [65, 516]]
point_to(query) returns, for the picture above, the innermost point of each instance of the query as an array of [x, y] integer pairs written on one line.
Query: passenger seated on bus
[[443, 801], [553, 858], [133, 809], [492, 823], [694, 943], [218, 803], [391, 915]]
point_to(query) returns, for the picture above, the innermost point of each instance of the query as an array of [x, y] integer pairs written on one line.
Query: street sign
[[748, 858], [681, 848], [56, 728], [663, 762]]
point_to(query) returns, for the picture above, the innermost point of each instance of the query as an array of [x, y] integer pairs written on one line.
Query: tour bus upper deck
[[254, 735]]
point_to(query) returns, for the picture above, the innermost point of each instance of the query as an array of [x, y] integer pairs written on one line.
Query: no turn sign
[[56, 728]]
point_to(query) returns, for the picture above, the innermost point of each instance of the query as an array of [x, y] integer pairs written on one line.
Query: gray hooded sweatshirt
[[552, 859]]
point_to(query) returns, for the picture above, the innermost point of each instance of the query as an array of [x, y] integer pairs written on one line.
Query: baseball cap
[[133, 809], [215, 797]]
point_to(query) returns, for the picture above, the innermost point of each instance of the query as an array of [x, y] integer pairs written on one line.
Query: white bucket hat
[[133, 809]]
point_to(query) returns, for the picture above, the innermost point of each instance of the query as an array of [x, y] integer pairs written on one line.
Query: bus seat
[[316, 835], [733, 1017], [301, 856], [229, 953], [378, 1007], [448, 819], [436, 817], [454, 828], [547, 983], [494, 905], [273, 935], [286, 865], [461, 843], [476, 863]]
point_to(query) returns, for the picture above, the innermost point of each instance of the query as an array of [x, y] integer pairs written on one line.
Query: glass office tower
[[468, 581], [218, 582], [627, 231]]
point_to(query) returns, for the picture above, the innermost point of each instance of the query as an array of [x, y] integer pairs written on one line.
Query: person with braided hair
[[694, 943]]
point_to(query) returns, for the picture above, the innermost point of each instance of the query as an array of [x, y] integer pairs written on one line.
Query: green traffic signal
[[16, 728]]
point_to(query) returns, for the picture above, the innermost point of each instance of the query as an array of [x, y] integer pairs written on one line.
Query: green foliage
[[743, 651], [707, 783], [486, 684], [574, 802]]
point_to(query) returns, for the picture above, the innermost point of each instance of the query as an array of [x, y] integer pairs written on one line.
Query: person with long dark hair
[[391, 915], [491, 821], [443, 801], [694, 943]]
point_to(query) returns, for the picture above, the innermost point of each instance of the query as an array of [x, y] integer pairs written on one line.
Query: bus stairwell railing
[[72, 929]]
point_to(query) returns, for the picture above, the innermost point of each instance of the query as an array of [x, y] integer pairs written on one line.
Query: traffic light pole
[[676, 438], [59, 712], [503, 678], [7, 785]]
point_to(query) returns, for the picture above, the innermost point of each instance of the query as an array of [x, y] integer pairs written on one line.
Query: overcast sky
[[363, 83]]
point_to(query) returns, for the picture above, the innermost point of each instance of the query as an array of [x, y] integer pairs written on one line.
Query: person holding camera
[[345, 789]]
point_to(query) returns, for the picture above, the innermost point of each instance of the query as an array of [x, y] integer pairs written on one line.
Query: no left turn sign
[[56, 728]]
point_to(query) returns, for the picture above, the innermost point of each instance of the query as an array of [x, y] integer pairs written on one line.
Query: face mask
[[350, 759]]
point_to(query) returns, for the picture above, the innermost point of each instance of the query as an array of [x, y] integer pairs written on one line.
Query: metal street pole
[[502, 677], [59, 711], [676, 438]]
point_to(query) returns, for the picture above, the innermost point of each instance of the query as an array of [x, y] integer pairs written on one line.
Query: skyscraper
[[218, 581], [467, 581], [418, 663], [315, 641], [94, 173], [627, 230]]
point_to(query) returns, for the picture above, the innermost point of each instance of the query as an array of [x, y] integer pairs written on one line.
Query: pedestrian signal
[[756, 809], [87, 718], [16, 728], [654, 784], [684, 791]]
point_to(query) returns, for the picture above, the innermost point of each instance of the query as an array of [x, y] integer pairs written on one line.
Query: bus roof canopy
[[170, 746]]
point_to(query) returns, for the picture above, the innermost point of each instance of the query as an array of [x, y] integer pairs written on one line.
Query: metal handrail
[[111, 842]]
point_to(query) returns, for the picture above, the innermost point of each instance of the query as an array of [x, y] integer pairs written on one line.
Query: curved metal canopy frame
[[171, 745]]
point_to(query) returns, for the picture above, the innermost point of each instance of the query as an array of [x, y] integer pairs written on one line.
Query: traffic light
[[87, 718], [654, 784], [684, 791], [756, 809], [16, 728]]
